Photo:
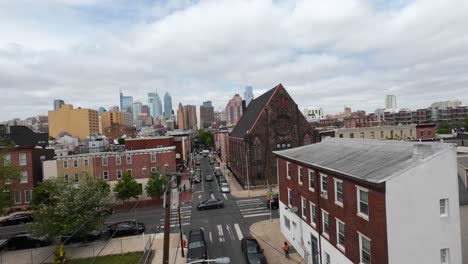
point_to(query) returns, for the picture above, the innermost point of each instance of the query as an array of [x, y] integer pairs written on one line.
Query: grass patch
[[129, 258]]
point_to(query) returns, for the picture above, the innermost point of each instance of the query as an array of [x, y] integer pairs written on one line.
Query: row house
[[367, 201], [403, 132]]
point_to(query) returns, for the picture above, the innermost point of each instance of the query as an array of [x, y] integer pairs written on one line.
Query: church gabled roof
[[251, 114]]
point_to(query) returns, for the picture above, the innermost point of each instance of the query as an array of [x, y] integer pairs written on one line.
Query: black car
[[221, 180], [210, 204], [196, 245], [274, 202], [208, 177], [253, 253], [17, 219], [126, 228], [26, 241], [91, 236]]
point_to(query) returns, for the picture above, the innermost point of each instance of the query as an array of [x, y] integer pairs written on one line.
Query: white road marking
[[183, 224], [249, 205], [254, 215], [238, 231], [231, 234], [249, 200], [253, 209], [198, 192], [211, 238], [220, 233], [225, 196]]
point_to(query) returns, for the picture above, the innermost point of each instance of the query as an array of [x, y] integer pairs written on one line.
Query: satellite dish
[[293, 210]]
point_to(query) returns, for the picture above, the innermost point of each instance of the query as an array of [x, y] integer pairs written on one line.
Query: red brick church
[[270, 122]]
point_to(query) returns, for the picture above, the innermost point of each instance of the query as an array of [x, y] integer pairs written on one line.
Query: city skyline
[[313, 50]]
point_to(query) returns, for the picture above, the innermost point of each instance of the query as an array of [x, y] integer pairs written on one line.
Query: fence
[[147, 252], [77, 251]]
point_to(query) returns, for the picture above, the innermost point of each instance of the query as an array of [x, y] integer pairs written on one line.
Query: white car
[[225, 187]]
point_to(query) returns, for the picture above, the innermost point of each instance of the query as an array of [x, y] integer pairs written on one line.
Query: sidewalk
[[268, 234], [174, 250]]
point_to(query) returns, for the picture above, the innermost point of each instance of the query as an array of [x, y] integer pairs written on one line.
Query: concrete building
[[167, 105], [206, 114], [248, 95], [234, 110], [390, 102], [78, 122], [137, 109], [447, 104], [463, 195], [367, 201], [181, 121], [126, 103], [406, 132], [313, 114], [97, 143], [58, 103], [190, 117]]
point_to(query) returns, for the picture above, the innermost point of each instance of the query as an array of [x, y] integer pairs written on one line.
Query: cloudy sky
[[326, 53]]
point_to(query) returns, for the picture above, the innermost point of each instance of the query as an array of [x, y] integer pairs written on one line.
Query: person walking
[[286, 249]]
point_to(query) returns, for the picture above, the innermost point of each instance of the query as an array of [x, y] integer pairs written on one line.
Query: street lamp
[[221, 260]]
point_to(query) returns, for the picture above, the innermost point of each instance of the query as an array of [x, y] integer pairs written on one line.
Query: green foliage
[[127, 188], [63, 207], [128, 258], [155, 185], [121, 141], [205, 137], [444, 128], [465, 124], [4, 197], [8, 171]]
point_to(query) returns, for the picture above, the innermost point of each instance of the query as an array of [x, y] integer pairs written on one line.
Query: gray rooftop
[[463, 161], [369, 160]]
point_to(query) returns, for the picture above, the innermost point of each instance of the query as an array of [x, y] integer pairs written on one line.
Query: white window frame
[[287, 223], [445, 256], [127, 159], [289, 198], [323, 193], [105, 175], [153, 157], [21, 177], [303, 208], [118, 160], [75, 163], [300, 174], [313, 214], [6, 159], [338, 245], [17, 201], [327, 258], [359, 213], [288, 170], [311, 175], [153, 169], [105, 161], [23, 159], [361, 135], [324, 233], [86, 163], [26, 196], [361, 236], [7, 180], [117, 173], [445, 207], [336, 181], [65, 164]]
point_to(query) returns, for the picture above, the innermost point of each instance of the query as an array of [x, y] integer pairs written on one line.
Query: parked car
[[210, 204], [222, 180], [196, 246], [3, 244], [208, 177], [217, 172], [274, 202], [126, 228], [17, 219], [196, 179], [26, 241], [253, 253], [104, 210], [91, 236], [225, 187]]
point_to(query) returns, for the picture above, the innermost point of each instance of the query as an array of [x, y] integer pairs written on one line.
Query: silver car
[[225, 187]]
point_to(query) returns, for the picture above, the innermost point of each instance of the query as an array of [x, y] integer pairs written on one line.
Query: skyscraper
[[58, 103], [155, 104], [190, 117], [248, 95], [167, 105], [180, 117], [390, 102], [137, 109], [126, 103], [234, 110], [206, 114]]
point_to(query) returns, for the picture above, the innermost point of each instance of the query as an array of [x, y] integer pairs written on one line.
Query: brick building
[[368, 201], [402, 132], [271, 122]]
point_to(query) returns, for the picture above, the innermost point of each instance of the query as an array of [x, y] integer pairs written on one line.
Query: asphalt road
[[225, 227]]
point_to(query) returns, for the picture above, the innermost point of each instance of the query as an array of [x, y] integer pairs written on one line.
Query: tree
[[465, 124], [155, 185], [8, 172], [205, 137], [127, 188], [121, 141], [62, 207], [444, 128]]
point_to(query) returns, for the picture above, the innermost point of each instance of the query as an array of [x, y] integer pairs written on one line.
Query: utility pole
[[247, 170], [180, 231], [167, 216]]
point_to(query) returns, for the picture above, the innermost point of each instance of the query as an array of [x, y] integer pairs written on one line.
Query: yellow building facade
[[78, 122], [109, 118], [74, 167]]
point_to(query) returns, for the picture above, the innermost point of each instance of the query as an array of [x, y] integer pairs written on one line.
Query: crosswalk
[[224, 233], [252, 208], [186, 215]]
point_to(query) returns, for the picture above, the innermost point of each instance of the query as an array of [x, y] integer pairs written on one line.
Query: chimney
[[420, 151], [243, 106]]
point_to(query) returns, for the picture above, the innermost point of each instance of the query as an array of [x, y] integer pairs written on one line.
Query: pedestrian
[[184, 187], [286, 249]]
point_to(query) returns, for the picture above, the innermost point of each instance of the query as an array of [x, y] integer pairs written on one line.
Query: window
[[129, 171], [339, 192], [411, 132], [324, 185], [65, 177], [299, 175], [341, 135], [17, 197], [65, 164], [311, 180], [278, 146], [443, 207], [105, 175], [391, 134], [382, 134], [7, 180], [22, 159], [304, 207], [325, 224], [444, 256], [153, 157], [86, 163], [153, 169], [118, 160], [401, 133], [288, 145], [421, 133], [289, 198], [351, 135], [76, 177], [313, 214], [361, 135], [340, 234], [364, 249], [288, 170], [129, 159], [104, 161], [287, 223], [24, 177], [372, 135], [6, 159], [363, 202], [119, 174], [327, 258], [428, 132], [27, 196]]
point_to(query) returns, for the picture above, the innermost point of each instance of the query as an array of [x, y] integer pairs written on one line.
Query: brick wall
[[149, 143]]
